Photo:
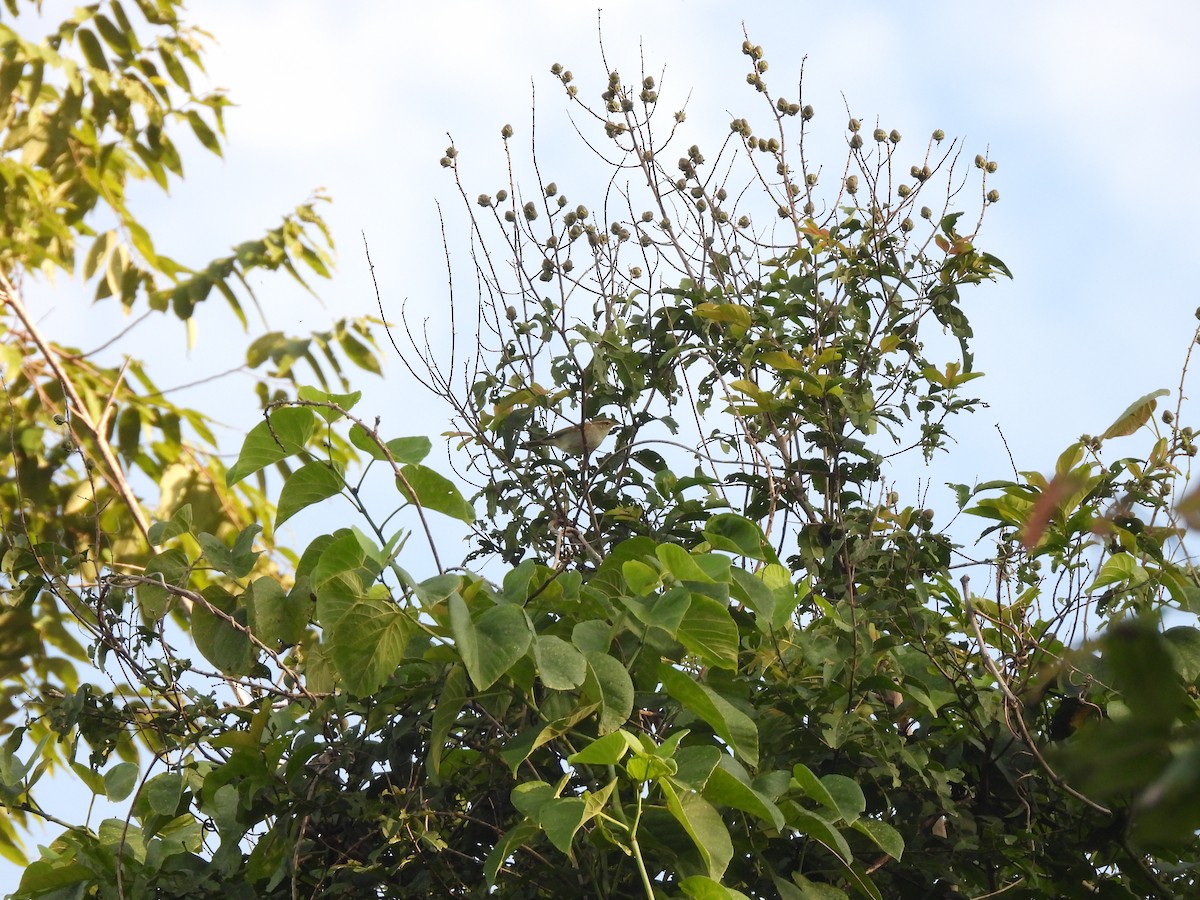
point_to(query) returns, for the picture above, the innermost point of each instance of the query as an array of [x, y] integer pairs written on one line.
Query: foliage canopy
[[714, 657]]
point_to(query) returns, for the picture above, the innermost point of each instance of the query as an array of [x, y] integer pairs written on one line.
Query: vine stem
[[79, 410], [1014, 704], [637, 849]]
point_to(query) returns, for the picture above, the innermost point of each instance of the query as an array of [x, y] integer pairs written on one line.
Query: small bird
[[579, 439]]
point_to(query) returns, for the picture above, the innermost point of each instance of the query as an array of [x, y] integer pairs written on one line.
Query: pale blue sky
[[1089, 108]]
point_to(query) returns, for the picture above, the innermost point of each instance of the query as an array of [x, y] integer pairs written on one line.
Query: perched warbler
[[579, 439]]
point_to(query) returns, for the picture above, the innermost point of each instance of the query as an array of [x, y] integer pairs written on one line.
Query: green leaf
[[592, 636], [730, 724], [605, 751], [359, 353], [560, 819], [203, 133], [708, 631], [491, 644], [129, 432], [641, 578], [750, 589], [560, 665], [1122, 569], [179, 523], [819, 829], [694, 765], [403, 450], [120, 780], [222, 642], [1137, 415], [433, 491], [162, 794], [665, 611], [704, 826], [93, 780], [812, 787], [804, 889], [701, 887], [608, 682], [513, 839], [366, 642], [885, 837], [450, 701], [346, 401], [225, 559], [727, 786], [848, 798], [737, 534], [277, 619], [92, 51], [173, 568], [294, 428], [1183, 642], [680, 563], [306, 486]]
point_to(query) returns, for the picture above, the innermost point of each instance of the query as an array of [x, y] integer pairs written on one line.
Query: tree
[[725, 662]]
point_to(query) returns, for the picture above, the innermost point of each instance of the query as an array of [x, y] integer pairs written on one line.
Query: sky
[[1088, 107]]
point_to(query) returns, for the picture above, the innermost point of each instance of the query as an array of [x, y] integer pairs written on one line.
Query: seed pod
[[993, 196], [992, 165], [484, 200], [879, 134], [939, 135], [926, 212], [551, 189], [807, 113], [852, 184], [856, 142], [501, 195], [906, 225], [854, 125], [506, 132], [811, 179], [894, 136]]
